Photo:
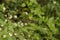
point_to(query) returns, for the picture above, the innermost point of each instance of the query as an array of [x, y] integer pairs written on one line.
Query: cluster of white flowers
[[22, 24], [10, 34], [1, 27]]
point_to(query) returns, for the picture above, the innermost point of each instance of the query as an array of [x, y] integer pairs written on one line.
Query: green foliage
[[30, 20]]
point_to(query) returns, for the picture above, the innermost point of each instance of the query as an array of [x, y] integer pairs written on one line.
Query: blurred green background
[[29, 19]]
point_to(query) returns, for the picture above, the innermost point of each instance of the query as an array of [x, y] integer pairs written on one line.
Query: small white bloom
[[22, 24], [6, 20], [2, 25], [25, 23], [4, 8], [15, 16], [5, 15], [10, 34], [24, 39], [23, 5], [26, 13], [15, 24], [15, 34], [28, 35], [54, 2], [45, 28], [4, 36], [10, 17]]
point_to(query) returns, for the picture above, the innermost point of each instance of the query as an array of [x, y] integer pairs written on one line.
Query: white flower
[[24, 39], [23, 5], [2, 25], [4, 8], [54, 2], [15, 16], [26, 13], [45, 28], [15, 34], [28, 35], [15, 24], [4, 36], [5, 15], [10, 17], [6, 20], [25, 23], [22, 24], [10, 34]]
